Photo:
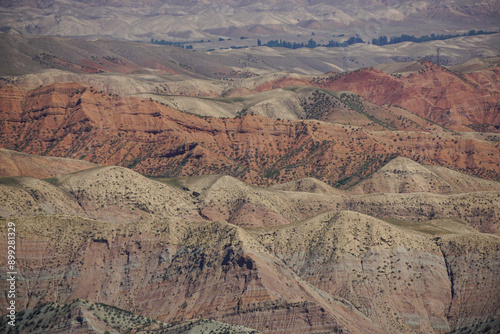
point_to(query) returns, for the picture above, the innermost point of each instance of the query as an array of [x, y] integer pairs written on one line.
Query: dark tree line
[[311, 43], [177, 44], [383, 40]]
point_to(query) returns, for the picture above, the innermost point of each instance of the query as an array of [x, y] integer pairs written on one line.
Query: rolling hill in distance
[[197, 20], [168, 170]]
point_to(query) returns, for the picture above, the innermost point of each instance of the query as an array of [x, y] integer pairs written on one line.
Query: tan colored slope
[[473, 263], [475, 64], [119, 194], [380, 266], [403, 175], [277, 103], [308, 185], [229, 199], [299, 102], [112, 194], [23, 196], [480, 209], [14, 163]]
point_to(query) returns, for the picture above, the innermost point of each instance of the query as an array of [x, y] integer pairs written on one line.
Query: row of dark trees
[[310, 43], [383, 40], [177, 44]]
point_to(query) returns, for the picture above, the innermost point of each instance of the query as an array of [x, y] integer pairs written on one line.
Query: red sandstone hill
[[14, 163], [455, 100], [71, 120]]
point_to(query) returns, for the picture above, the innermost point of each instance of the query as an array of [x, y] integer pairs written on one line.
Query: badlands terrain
[[157, 189], [300, 257]]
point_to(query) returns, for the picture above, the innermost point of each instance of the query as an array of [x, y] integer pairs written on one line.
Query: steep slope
[[23, 196], [377, 266], [173, 271], [481, 210], [71, 120], [14, 163], [228, 199], [403, 175], [335, 272], [119, 194]]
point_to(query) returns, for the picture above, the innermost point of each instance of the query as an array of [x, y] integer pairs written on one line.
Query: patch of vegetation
[[171, 181], [365, 170], [134, 163], [313, 44], [9, 181], [53, 180], [383, 40], [355, 103]]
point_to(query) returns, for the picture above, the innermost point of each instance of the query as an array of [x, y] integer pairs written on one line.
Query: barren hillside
[[13, 163], [334, 271], [195, 20]]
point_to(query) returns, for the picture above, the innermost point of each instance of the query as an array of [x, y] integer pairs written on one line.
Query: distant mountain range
[[195, 20]]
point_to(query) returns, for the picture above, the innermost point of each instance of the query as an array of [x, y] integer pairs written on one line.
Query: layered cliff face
[[379, 269], [173, 272], [71, 120]]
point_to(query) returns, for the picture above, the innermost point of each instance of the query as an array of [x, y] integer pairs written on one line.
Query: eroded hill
[[71, 120], [299, 258]]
